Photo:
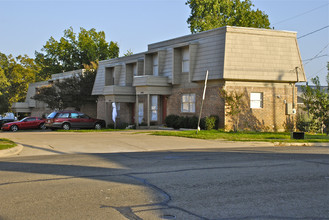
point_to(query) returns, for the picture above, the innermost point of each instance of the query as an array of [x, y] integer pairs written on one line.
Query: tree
[[128, 53], [15, 76], [49, 95], [316, 102], [210, 14], [233, 106], [70, 92], [73, 50]]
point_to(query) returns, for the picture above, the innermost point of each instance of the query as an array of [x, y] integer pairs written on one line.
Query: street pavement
[[127, 175]]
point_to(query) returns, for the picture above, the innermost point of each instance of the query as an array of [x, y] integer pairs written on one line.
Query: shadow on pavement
[[232, 179]]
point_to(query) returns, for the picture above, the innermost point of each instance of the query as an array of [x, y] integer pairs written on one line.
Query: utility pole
[[203, 97]]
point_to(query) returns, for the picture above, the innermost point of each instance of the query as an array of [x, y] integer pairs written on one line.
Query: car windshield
[[24, 119], [52, 115]]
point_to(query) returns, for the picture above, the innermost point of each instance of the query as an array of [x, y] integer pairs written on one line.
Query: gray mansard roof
[[229, 53]]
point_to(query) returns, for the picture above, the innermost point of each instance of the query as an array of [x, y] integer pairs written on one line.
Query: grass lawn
[[90, 130], [245, 136], [5, 144]]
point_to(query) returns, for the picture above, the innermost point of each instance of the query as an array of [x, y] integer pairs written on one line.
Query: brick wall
[[125, 113], [90, 109], [101, 108], [213, 104], [272, 117]]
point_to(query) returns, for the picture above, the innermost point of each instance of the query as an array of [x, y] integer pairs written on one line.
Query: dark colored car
[[72, 119], [25, 123], [4, 121]]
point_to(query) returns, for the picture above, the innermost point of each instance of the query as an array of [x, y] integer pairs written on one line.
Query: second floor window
[[109, 76], [185, 60], [135, 69], [188, 103], [155, 64]]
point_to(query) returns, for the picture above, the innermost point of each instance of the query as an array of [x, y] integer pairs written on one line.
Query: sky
[[26, 25]]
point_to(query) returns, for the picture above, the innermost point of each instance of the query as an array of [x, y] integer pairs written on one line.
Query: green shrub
[[307, 123], [193, 122], [177, 122], [170, 120], [216, 122], [210, 122]]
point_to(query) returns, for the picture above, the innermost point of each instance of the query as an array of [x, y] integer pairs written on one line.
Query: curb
[[11, 151], [287, 144]]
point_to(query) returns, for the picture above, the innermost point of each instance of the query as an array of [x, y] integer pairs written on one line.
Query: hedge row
[[206, 123]]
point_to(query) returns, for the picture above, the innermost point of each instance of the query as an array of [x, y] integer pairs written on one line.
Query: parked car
[[7, 117], [25, 123], [72, 119]]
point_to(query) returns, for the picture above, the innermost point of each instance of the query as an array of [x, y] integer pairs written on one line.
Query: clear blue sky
[[26, 25]]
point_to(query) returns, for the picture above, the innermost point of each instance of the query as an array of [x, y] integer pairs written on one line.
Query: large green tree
[[210, 14], [73, 50], [15, 76]]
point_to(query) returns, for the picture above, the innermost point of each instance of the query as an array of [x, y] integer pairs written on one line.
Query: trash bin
[[298, 135]]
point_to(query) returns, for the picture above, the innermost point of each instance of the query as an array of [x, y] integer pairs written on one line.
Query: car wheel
[[42, 126], [14, 128], [98, 126], [66, 126]]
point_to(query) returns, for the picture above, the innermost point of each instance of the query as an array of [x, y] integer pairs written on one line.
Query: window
[[63, 115], [135, 69], [140, 112], [109, 76], [74, 115], [185, 60], [188, 103], [256, 100], [155, 64], [154, 107], [81, 115]]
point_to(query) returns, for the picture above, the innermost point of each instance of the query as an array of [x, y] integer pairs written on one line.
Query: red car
[[25, 123], [68, 119]]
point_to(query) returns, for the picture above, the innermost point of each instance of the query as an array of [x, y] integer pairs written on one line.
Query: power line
[[316, 54], [325, 55], [313, 32], [316, 73], [300, 14]]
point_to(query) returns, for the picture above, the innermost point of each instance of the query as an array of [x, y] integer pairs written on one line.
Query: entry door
[[140, 112]]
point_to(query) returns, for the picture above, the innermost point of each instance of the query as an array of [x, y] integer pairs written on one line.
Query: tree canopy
[[73, 50], [15, 76], [210, 14]]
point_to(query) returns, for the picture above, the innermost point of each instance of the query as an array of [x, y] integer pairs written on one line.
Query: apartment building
[[261, 64]]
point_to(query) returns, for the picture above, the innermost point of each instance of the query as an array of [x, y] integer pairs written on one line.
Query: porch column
[[106, 113], [148, 110], [137, 112]]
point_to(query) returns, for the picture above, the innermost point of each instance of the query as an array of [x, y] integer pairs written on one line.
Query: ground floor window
[[140, 112], [256, 100], [154, 108], [188, 103]]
